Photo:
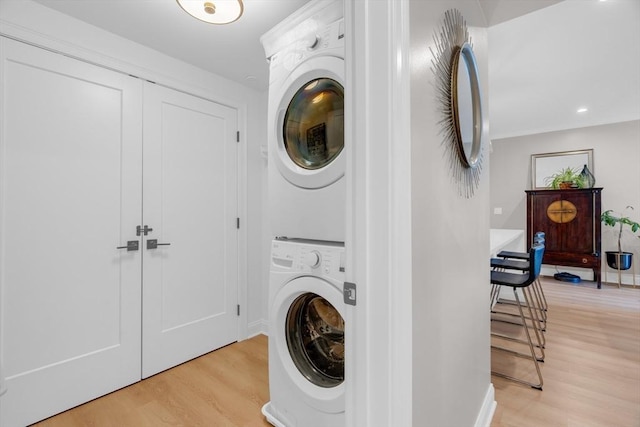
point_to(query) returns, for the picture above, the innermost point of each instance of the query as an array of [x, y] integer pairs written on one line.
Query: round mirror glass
[[467, 107]]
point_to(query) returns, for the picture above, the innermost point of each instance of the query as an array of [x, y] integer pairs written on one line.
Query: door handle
[[132, 245], [146, 230], [153, 244]]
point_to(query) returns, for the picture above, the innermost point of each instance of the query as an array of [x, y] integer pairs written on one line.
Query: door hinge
[[237, 136], [349, 293], [238, 309], [238, 223]]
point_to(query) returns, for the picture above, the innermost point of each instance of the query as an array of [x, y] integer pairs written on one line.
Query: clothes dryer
[[306, 169], [306, 334]]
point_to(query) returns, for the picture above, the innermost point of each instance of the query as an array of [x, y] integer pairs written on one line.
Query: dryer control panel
[[329, 37], [318, 258], [327, 40]]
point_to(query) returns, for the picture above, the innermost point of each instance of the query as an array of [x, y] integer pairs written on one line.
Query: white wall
[[417, 250], [451, 349], [258, 236], [616, 160], [27, 20]]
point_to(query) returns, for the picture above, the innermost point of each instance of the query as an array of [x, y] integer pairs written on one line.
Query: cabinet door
[[190, 202], [541, 222], [566, 218], [578, 236], [70, 193]]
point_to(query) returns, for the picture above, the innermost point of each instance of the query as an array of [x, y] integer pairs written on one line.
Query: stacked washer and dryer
[[307, 194]]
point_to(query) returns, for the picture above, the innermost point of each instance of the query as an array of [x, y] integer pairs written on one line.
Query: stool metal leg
[[541, 291], [532, 356], [535, 320], [536, 315]]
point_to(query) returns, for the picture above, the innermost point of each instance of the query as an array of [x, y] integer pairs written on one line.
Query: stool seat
[[510, 264], [514, 255], [514, 280]]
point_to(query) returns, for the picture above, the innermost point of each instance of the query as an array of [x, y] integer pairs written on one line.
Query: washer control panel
[[312, 258], [320, 258]]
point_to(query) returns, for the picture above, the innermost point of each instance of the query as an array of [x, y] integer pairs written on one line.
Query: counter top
[[504, 238]]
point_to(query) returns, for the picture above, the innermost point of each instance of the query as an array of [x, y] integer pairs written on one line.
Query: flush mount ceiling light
[[214, 12]]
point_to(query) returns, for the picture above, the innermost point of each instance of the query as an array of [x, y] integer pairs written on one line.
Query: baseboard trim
[[607, 275], [488, 408], [259, 327]]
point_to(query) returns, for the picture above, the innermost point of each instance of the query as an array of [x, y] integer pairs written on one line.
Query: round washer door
[[308, 318], [309, 127]]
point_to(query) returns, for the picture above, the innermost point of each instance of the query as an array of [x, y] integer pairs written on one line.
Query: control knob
[[311, 41], [311, 259]]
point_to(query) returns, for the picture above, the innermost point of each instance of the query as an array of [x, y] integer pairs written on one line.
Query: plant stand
[[633, 274]]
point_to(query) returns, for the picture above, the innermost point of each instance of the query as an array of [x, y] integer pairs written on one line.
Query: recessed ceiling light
[[214, 11], [582, 110]]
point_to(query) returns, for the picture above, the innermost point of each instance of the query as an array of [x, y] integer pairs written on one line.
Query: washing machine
[[306, 161], [306, 334]]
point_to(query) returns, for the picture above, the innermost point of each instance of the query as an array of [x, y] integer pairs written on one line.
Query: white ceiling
[[578, 53], [542, 65], [497, 11], [232, 51]]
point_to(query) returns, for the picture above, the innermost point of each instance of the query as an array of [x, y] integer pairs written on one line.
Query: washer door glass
[[313, 126], [315, 339]]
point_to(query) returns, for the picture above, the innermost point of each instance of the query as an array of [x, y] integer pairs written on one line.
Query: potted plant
[[619, 260], [566, 178]]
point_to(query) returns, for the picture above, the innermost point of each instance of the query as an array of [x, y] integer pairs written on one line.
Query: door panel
[[70, 193], [190, 201]]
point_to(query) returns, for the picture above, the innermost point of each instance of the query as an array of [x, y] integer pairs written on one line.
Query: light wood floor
[[225, 388], [591, 376], [592, 367]]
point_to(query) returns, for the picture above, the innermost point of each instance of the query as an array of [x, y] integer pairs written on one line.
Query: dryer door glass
[[315, 338], [313, 128]]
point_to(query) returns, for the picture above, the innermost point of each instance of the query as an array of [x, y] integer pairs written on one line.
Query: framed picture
[[546, 164]]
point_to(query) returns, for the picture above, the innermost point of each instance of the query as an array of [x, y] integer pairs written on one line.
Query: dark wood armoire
[[570, 220]]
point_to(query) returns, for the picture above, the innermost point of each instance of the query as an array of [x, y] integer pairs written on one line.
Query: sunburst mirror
[[458, 90]]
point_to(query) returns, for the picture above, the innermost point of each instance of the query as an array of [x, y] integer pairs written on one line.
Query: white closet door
[[190, 202], [70, 193]]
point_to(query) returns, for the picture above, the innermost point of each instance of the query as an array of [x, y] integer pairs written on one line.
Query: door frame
[[378, 214]]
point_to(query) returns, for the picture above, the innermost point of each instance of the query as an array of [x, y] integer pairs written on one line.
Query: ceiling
[[232, 51], [497, 11], [546, 65], [553, 57]]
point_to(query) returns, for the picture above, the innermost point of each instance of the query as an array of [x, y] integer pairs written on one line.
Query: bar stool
[[522, 281], [520, 266], [539, 319], [538, 238]]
